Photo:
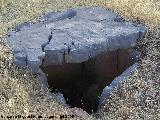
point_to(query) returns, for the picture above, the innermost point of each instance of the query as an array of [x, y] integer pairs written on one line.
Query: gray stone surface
[[72, 36], [116, 83], [60, 98]]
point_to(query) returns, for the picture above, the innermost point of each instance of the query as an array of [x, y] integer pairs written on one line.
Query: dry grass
[[20, 92]]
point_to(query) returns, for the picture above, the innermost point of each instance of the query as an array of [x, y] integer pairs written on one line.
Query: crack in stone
[[49, 40], [69, 47], [44, 45]]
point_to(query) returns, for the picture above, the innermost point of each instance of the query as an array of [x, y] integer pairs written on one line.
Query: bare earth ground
[[139, 97]]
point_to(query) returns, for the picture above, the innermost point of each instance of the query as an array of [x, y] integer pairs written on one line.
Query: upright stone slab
[[116, 83]]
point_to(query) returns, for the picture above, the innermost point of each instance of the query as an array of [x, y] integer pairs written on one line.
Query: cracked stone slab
[[71, 36]]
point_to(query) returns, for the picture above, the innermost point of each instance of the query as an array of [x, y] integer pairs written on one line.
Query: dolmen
[[75, 36]]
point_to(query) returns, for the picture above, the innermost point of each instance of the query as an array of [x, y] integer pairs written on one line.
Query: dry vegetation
[[139, 98]]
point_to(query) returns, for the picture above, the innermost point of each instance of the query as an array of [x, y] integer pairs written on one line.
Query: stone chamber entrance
[[82, 83]]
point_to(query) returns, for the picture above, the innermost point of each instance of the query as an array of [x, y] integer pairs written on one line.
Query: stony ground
[[139, 97]]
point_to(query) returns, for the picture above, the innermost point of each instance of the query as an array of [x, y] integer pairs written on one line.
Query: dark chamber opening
[[82, 83]]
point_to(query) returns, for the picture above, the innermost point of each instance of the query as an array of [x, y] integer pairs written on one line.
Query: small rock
[[60, 98], [79, 112]]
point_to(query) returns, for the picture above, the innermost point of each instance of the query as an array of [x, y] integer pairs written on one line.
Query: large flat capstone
[[71, 36]]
